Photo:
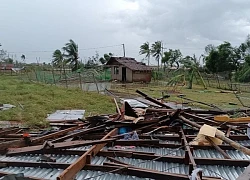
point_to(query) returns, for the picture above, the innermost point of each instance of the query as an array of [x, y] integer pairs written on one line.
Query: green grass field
[[38, 100], [210, 95]]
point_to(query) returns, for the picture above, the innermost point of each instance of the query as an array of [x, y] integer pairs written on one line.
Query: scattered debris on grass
[[146, 138]]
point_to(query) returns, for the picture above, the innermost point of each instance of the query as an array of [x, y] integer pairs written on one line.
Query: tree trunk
[[148, 60], [190, 86], [158, 69], [202, 80], [178, 65]]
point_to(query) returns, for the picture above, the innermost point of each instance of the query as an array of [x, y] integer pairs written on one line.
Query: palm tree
[[23, 57], [192, 64], [156, 52], [172, 57], [58, 60], [71, 49], [145, 49]]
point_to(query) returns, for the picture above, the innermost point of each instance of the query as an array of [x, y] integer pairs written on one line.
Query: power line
[[82, 49]]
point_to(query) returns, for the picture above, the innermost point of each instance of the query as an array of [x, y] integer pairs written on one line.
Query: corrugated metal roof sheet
[[244, 143], [225, 172], [81, 148], [234, 154], [157, 151], [53, 173], [155, 165], [34, 158]]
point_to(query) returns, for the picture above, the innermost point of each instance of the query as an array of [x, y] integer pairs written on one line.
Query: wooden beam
[[8, 131], [62, 145], [53, 135], [224, 154], [84, 131], [73, 169], [188, 154], [12, 144]]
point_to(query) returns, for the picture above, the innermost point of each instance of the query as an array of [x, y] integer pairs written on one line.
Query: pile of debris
[[145, 139]]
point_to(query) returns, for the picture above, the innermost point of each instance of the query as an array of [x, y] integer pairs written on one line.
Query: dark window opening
[[116, 70]]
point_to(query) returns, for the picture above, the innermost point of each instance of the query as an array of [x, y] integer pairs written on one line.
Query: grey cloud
[[186, 24]]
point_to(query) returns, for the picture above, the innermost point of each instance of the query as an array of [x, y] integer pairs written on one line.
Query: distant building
[[126, 69], [6, 68]]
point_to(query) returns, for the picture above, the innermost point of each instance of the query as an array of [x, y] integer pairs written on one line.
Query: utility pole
[[124, 55], [162, 52]]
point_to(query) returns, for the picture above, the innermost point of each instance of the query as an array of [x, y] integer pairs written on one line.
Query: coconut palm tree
[[71, 55], [23, 57], [145, 49], [57, 58], [156, 52], [192, 65]]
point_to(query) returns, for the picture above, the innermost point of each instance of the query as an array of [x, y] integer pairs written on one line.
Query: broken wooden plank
[[224, 154], [54, 135], [153, 100], [62, 145], [73, 169], [84, 131]]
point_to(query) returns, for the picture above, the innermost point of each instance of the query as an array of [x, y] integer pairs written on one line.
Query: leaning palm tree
[[71, 49], [192, 65], [145, 49], [58, 60], [156, 52]]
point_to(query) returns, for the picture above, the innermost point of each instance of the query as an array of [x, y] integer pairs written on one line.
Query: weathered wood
[[12, 144], [8, 131], [237, 146], [153, 100], [224, 154], [188, 154], [74, 168], [117, 107], [53, 135], [84, 131], [62, 145], [233, 144]]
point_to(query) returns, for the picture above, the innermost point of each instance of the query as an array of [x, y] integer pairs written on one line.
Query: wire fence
[[97, 79], [85, 79]]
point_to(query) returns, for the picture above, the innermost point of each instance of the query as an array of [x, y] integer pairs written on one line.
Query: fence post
[[36, 75], [53, 76], [207, 80], [65, 76], [44, 79], [218, 80], [80, 79], [95, 83]]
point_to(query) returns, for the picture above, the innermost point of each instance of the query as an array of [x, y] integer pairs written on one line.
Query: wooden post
[[95, 83], [80, 80], [65, 76], [53, 74], [74, 168]]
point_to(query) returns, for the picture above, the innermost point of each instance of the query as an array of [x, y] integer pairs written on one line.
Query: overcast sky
[[189, 25]]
